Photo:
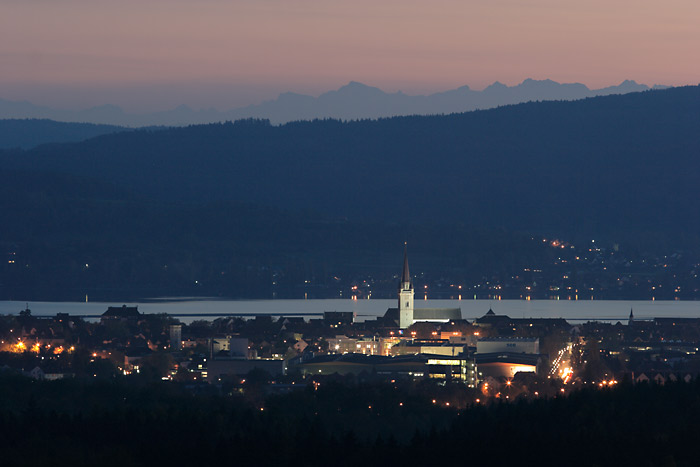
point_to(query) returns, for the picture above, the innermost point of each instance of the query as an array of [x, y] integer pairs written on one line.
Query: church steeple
[[406, 294], [406, 276]]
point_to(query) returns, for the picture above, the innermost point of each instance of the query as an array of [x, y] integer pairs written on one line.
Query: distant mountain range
[[350, 102]]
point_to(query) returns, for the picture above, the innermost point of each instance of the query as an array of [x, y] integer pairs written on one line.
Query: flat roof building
[[508, 344]]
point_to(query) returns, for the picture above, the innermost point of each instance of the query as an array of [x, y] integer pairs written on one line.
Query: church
[[405, 314]]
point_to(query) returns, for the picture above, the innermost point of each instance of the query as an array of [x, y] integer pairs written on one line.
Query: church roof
[[427, 314], [492, 317], [392, 314], [421, 314], [122, 312]]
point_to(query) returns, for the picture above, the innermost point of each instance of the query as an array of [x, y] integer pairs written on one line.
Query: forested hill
[[63, 237], [605, 164], [29, 133]]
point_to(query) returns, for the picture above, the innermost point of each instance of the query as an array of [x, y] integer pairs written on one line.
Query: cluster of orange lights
[[566, 374], [21, 346], [612, 382]]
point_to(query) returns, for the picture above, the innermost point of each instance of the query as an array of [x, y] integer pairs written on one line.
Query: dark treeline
[[112, 423]]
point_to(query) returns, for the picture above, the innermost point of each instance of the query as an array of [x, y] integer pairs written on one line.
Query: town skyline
[[205, 205]]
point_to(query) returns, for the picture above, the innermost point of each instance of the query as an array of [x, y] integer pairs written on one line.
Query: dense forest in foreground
[[115, 423]]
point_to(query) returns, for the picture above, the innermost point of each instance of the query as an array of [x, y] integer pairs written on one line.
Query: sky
[[147, 55]]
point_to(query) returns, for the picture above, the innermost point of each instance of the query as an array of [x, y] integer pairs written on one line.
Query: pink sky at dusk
[[156, 54]]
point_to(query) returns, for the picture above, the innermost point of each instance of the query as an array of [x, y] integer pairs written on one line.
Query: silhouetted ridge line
[[350, 102]]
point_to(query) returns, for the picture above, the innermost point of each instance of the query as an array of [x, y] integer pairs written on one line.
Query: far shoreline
[[210, 308]]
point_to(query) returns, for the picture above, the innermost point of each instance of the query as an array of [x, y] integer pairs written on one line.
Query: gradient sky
[[156, 54]]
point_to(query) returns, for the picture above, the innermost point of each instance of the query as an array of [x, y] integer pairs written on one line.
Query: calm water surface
[[603, 310]]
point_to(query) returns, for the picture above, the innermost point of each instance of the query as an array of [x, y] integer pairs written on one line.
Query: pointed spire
[[406, 276], [631, 315]]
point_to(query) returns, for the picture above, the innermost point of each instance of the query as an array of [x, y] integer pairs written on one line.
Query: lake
[[572, 310]]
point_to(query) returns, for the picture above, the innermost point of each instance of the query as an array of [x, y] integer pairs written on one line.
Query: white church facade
[[406, 314]]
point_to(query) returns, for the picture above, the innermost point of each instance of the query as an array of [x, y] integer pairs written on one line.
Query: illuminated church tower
[[405, 315], [406, 293]]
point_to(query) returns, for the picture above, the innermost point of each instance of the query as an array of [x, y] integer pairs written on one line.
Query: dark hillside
[[29, 133], [602, 165], [247, 209], [68, 236]]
